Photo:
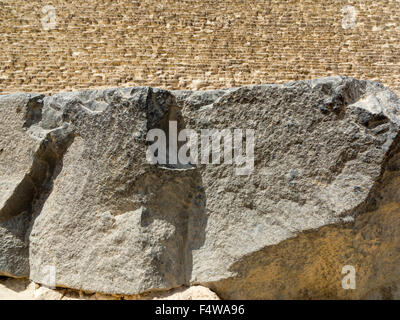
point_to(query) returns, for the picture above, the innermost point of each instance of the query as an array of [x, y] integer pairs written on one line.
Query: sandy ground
[[22, 289]]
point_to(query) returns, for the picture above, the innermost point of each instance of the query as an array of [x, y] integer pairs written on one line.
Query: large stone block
[[323, 192]]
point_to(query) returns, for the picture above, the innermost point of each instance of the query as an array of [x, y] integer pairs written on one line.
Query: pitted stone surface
[[326, 158]]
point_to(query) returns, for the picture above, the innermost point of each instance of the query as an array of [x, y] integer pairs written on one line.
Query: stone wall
[[194, 44]]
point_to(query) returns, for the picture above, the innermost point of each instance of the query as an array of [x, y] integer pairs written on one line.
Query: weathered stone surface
[[114, 223], [326, 153], [323, 193], [17, 185], [14, 247], [28, 156]]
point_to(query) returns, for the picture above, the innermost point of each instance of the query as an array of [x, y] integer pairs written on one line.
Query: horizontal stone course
[[191, 44]]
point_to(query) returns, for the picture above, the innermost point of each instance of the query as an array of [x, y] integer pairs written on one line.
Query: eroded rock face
[[18, 179], [323, 192], [113, 223]]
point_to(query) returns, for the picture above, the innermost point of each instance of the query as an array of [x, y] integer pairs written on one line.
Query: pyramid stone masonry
[[67, 45], [79, 195]]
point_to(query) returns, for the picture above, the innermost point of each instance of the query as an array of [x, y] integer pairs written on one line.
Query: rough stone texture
[[191, 44], [18, 180], [323, 194], [326, 153], [114, 223], [320, 149]]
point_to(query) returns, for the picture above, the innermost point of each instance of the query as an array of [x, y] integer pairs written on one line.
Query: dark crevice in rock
[[34, 112], [16, 213], [335, 98], [178, 195], [44, 161], [162, 109], [50, 158]]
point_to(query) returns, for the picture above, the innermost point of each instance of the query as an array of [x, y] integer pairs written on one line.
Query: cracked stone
[[73, 168]]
